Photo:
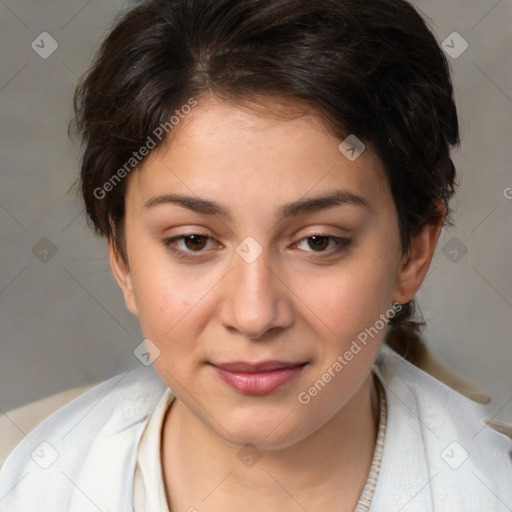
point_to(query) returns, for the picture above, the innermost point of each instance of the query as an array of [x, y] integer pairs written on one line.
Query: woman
[[271, 178]]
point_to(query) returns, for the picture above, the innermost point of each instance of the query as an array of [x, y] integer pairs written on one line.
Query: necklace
[[365, 500]]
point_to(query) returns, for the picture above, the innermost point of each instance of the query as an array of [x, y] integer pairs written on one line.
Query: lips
[[265, 366], [258, 378]]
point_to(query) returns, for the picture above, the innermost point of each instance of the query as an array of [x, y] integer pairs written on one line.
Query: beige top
[[149, 491]]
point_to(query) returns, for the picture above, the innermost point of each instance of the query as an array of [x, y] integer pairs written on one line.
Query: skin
[[295, 302]]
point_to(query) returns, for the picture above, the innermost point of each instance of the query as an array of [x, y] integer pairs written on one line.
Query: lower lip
[[258, 383]]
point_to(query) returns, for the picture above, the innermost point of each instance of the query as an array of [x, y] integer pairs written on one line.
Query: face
[[234, 257]]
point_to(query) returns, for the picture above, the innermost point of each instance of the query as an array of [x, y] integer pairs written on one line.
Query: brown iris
[[317, 244], [197, 242]]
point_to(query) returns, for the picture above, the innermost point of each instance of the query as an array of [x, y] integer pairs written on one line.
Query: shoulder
[[77, 438], [441, 372], [435, 387], [438, 436], [17, 423]]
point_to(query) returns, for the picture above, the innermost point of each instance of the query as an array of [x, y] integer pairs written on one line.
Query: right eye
[[192, 243]]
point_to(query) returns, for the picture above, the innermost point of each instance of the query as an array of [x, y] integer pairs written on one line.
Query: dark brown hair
[[369, 67]]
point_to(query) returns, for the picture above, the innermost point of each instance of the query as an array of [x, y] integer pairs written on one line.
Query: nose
[[257, 299]]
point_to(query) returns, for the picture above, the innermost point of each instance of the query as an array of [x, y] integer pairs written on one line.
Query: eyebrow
[[294, 209]]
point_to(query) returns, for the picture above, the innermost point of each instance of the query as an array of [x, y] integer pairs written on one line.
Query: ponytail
[[403, 334]]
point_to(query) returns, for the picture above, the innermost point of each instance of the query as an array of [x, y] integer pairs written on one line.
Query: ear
[[123, 277], [415, 264]]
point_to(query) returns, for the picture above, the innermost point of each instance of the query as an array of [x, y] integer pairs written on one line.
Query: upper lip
[[263, 366]]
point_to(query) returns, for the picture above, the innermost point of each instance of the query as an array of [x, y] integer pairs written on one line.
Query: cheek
[[351, 298], [165, 304], [352, 304], [164, 295], [168, 316]]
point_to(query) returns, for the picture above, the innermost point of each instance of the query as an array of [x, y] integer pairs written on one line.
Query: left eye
[[320, 242]]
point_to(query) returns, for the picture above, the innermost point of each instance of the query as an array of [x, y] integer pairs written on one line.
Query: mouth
[[258, 378]]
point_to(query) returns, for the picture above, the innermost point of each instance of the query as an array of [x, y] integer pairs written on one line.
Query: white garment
[[148, 488], [439, 455]]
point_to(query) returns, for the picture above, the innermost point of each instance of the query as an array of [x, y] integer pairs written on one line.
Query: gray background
[[63, 321]]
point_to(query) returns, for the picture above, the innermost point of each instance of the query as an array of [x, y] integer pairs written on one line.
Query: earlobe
[[123, 277], [415, 264]]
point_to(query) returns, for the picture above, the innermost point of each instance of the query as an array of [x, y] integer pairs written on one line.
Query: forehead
[[256, 152]]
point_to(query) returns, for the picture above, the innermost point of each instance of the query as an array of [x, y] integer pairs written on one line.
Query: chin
[[263, 429]]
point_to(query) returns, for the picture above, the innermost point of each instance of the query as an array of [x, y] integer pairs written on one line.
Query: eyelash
[[342, 244]]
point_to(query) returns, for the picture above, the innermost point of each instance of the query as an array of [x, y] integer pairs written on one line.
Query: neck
[[325, 471]]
